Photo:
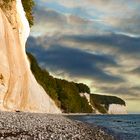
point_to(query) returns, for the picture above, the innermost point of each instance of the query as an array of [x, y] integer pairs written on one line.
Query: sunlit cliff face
[[18, 88]]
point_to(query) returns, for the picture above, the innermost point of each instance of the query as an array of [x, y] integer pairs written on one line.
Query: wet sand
[[31, 126]]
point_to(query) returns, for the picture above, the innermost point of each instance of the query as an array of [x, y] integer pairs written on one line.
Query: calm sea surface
[[124, 127]]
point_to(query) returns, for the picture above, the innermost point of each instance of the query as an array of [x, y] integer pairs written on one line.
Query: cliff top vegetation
[[64, 93]]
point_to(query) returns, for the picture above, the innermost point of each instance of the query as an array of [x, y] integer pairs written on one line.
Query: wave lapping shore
[[31, 126]]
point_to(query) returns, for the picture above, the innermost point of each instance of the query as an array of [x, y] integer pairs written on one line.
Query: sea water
[[124, 127]]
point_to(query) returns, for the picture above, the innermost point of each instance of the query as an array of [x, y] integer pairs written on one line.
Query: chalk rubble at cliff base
[[31, 126]]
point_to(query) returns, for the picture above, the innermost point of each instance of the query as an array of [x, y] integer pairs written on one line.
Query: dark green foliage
[[83, 88], [101, 102], [98, 106], [28, 6], [65, 94], [70, 98]]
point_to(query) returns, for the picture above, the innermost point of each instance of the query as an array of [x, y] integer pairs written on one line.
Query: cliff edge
[[19, 89]]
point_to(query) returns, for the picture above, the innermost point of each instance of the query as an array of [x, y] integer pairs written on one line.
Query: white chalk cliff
[[19, 89], [117, 109], [112, 109]]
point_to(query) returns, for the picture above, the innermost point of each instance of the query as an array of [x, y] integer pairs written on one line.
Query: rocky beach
[[35, 126]]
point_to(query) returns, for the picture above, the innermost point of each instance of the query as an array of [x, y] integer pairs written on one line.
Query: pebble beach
[[35, 126]]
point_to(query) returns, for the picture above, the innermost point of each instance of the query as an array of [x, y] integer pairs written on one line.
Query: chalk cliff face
[[19, 89], [100, 106], [114, 109], [117, 109]]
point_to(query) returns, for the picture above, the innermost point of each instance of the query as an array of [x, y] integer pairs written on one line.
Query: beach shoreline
[[37, 126]]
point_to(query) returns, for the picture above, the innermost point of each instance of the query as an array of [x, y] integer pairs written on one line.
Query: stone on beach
[[32, 126]]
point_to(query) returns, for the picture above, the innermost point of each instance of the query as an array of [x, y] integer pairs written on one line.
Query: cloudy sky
[[96, 42]]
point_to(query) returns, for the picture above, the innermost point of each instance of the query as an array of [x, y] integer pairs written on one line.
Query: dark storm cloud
[[76, 62], [123, 43]]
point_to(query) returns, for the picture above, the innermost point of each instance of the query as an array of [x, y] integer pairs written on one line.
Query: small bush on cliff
[[83, 88]]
